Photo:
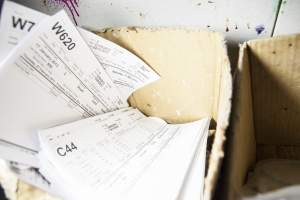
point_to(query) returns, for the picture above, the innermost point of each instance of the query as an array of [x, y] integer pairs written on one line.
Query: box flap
[[275, 71], [240, 151]]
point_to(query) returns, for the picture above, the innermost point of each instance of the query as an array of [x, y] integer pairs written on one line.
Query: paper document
[[167, 175], [52, 77], [123, 155], [47, 169], [13, 152], [193, 187], [16, 21], [127, 71], [60, 188], [82, 96]]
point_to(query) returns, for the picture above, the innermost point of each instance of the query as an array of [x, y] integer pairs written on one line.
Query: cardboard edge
[[252, 43], [233, 178], [154, 29], [224, 111]]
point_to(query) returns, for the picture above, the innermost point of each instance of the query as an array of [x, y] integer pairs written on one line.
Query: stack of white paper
[[123, 155], [55, 73]]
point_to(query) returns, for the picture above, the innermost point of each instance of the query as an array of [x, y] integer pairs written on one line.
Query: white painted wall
[[238, 19], [288, 21]]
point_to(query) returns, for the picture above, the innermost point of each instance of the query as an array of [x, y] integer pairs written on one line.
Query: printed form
[[52, 77], [128, 73], [113, 58], [16, 21], [122, 156]]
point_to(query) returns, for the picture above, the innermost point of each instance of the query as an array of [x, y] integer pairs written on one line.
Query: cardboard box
[[195, 82], [266, 109]]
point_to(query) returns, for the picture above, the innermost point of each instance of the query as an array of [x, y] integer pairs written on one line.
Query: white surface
[[288, 18], [236, 18]]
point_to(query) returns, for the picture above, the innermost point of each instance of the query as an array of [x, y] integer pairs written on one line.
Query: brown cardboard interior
[[266, 114], [275, 68], [195, 80]]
